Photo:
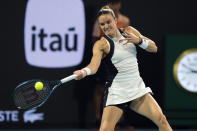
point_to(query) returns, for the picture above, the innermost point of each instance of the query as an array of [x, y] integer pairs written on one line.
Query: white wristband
[[144, 44], [88, 71]]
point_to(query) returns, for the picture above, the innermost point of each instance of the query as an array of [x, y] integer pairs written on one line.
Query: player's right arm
[[98, 53]]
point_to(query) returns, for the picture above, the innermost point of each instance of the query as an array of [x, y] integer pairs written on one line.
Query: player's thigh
[[111, 115], [148, 107]]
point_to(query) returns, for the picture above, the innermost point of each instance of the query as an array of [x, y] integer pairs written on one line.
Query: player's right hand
[[79, 74]]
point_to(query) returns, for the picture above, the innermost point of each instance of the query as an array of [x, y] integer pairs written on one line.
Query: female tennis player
[[124, 86]]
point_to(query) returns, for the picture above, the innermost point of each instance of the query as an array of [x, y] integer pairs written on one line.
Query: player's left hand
[[129, 37]]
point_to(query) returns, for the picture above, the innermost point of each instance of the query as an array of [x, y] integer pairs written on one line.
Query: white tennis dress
[[125, 83]]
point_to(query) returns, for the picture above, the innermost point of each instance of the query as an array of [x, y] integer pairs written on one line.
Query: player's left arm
[[151, 44]]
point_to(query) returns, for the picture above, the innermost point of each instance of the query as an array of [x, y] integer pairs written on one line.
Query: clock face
[[185, 70]]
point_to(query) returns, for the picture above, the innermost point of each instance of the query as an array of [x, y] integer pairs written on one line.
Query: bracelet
[[143, 44], [88, 71], [140, 41]]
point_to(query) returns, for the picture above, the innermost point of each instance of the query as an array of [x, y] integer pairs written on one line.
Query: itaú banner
[[54, 33], [13, 116]]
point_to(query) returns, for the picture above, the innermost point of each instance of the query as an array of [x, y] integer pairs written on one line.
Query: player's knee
[[162, 120]]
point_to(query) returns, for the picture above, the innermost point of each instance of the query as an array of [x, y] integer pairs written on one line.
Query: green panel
[[183, 122], [175, 98], [182, 114], [180, 106]]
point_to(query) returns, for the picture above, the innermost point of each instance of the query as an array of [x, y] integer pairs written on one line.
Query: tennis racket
[[27, 97]]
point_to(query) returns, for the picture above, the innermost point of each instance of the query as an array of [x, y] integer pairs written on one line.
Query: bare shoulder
[[127, 29], [102, 45], [130, 29]]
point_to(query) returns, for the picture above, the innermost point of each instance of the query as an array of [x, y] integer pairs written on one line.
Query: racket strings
[[19, 97], [26, 96]]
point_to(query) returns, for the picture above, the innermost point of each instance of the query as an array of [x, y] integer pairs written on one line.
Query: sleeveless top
[[124, 83]]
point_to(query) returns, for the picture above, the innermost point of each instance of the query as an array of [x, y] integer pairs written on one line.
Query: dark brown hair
[[105, 10]]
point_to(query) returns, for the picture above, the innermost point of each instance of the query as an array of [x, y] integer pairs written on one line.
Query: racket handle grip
[[67, 79]]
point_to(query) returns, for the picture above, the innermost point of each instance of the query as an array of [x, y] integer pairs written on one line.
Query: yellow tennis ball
[[38, 86]]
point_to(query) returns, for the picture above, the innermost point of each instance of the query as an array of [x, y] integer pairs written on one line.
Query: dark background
[[72, 106]]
